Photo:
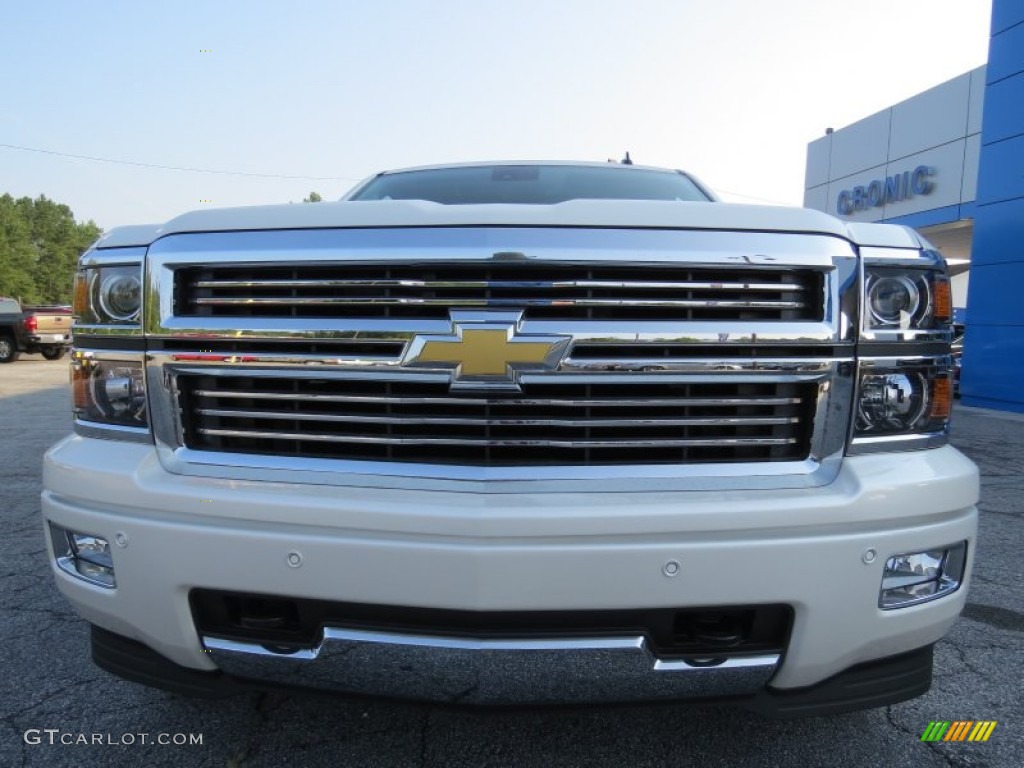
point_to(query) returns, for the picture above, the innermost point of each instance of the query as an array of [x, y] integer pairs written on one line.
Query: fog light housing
[[83, 556], [917, 577]]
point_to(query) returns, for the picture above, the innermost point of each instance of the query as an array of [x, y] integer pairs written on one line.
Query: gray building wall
[[939, 128]]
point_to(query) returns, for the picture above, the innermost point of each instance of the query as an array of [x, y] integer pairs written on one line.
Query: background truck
[[43, 330], [518, 433]]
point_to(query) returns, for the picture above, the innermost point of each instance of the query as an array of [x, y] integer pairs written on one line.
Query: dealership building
[[950, 163]]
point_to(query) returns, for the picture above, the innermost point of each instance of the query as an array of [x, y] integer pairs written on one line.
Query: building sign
[[892, 189]]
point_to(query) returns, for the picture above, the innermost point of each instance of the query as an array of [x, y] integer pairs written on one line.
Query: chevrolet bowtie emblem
[[488, 353]]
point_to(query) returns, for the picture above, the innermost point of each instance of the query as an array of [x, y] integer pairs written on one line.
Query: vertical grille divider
[[588, 431], [294, 293], [389, 411], [488, 418], [590, 295]]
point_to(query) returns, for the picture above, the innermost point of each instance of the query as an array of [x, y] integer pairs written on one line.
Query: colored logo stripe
[[982, 730], [958, 730]]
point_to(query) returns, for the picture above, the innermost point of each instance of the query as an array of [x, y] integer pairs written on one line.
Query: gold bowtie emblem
[[489, 353], [484, 353]]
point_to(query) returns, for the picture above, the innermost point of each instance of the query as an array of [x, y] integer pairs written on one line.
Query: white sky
[[731, 90]]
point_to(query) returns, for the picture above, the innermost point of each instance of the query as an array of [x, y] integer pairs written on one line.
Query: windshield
[[530, 184]]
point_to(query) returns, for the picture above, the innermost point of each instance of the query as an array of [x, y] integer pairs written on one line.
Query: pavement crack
[[963, 657], [265, 704], [424, 728], [903, 729], [464, 693], [60, 692]]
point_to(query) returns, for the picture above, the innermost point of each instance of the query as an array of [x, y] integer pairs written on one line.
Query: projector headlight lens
[[906, 299], [108, 295], [892, 299], [892, 402], [903, 400], [120, 293], [108, 391]]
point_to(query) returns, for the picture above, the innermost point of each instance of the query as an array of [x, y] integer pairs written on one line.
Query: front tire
[[8, 351], [53, 353]]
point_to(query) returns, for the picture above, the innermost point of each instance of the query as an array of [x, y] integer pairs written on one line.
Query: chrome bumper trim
[[491, 671]]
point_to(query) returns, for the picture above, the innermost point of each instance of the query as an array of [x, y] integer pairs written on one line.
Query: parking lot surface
[[50, 691]]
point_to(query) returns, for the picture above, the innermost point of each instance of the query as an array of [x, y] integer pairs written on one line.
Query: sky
[[730, 90]]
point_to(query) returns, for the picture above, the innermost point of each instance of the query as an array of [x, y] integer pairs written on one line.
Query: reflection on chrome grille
[[548, 424], [562, 291]]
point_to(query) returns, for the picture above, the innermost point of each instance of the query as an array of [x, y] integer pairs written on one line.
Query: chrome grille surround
[[542, 291], [816, 354], [548, 424]]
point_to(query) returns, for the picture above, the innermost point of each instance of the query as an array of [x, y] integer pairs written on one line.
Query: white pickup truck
[[516, 433]]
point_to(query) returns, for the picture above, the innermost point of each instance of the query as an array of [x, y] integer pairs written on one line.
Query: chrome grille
[[548, 291], [547, 424]]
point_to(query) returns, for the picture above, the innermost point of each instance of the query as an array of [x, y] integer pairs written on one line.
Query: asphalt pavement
[[51, 692]]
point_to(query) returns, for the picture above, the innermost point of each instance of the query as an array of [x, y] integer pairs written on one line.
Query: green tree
[[314, 197], [39, 247], [17, 255]]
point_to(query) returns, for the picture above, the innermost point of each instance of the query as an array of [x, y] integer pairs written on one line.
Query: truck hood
[[628, 214]]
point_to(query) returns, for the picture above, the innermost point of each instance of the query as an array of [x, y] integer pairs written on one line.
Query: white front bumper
[[494, 552]]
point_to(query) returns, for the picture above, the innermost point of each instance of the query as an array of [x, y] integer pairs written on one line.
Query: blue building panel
[[998, 233], [1006, 15], [1004, 109], [1005, 52], [992, 366], [1000, 170], [993, 363], [1003, 302]]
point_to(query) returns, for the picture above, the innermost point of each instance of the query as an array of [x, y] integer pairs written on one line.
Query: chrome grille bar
[[320, 437], [492, 302], [683, 402], [625, 423], [681, 285]]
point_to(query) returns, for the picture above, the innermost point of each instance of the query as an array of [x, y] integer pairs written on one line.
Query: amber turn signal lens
[[80, 300], [942, 398], [80, 384], [943, 301]]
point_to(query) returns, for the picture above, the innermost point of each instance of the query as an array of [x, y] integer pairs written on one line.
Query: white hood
[[626, 214]]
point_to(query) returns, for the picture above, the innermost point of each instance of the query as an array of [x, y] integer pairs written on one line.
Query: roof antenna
[[626, 160]]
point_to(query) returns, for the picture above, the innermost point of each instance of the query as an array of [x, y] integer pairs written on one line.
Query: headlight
[[108, 392], [902, 401], [120, 293], [906, 299], [892, 401], [108, 295]]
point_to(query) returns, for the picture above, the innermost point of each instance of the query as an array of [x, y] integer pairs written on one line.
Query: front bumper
[[871, 684], [807, 549]]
